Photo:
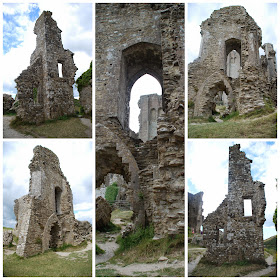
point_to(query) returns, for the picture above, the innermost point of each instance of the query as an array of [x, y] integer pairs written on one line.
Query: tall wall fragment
[[45, 217], [42, 93], [195, 210], [229, 233]]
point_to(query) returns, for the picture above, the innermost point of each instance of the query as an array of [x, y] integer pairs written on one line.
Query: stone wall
[[229, 51], [229, 233], [7, 102], [195, 210], [150, 109], [45, 216], [86, 98], [153, 44], [42, 93]]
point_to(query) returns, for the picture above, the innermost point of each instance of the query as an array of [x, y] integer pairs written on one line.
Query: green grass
[[121, 214], [141, 248], [107, 273], [205, 269], [98, 250], [84, 79], [65, 127], [165, 272], [110, 228], [264, 127], [48, 264], [7, 228], [270, 246]]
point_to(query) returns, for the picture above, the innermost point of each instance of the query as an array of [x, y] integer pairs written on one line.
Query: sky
[[264, 14], [143, 86], [207, 171], [19, 41], [76, 162]]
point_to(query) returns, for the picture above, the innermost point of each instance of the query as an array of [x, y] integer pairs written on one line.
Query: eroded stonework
[[154, 171], [229, 233], [229, 63], [41, 92], [8, 102], [150, 109], [45, 217], [195, 210]]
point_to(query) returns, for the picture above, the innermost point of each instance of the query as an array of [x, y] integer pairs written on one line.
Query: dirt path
[[109, 247], [8, 132], [192, 265], [66, 254], [87, 123], [147, 268], [259, 273]]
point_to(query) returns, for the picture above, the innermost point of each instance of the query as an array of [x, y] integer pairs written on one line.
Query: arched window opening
[[54, 236], [57, 193], [220, 103], [145, 103], [233, 58]]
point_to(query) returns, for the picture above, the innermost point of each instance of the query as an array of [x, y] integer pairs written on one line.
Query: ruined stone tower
[[45, 217], [154, 170], [229, 62], [150, 109], [229, 233], [43, 92], [195, 210]]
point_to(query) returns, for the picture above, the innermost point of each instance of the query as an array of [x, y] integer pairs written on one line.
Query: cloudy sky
[[76, 162], [207, 171], [19, 41], [264, 14]]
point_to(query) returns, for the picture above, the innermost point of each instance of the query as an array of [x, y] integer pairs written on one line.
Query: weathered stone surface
[[86, 97], [42, 93], [7, 237], [150, 109], [45, 217], [103, 213], [7, 102], [154, 171], [228, 234], [195, 210], [229, 62]]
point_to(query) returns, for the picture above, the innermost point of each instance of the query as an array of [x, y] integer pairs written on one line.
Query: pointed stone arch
[[137, 60], [205, 99]]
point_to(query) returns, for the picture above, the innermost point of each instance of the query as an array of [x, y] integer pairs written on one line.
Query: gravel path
[[192, 265], [8, 132]]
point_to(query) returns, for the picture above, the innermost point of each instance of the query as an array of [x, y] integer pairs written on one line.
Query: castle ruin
[[230, 233], [229, 65], [153, 170], [150, 109], [195, 217], [45, 217], [44, 89]]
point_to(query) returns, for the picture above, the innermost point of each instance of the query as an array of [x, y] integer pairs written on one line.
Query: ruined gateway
[[45, 217], [228, 234], [154, 170], [42, 93], [229, 68]]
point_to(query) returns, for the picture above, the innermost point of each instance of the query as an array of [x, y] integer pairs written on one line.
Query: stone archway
[[54, 236], [205, 100], [137, 60]]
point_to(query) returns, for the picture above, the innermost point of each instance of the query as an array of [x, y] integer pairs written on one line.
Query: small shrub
[[190, 104], [211, 119], [111, 193], [98, 250], [35, 95], [231, 115], [110, 228], [141, 196]]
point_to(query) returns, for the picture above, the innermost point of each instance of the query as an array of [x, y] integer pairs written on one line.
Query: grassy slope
[[263, 127], [47, 265], [69, 128], [270, 246]]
